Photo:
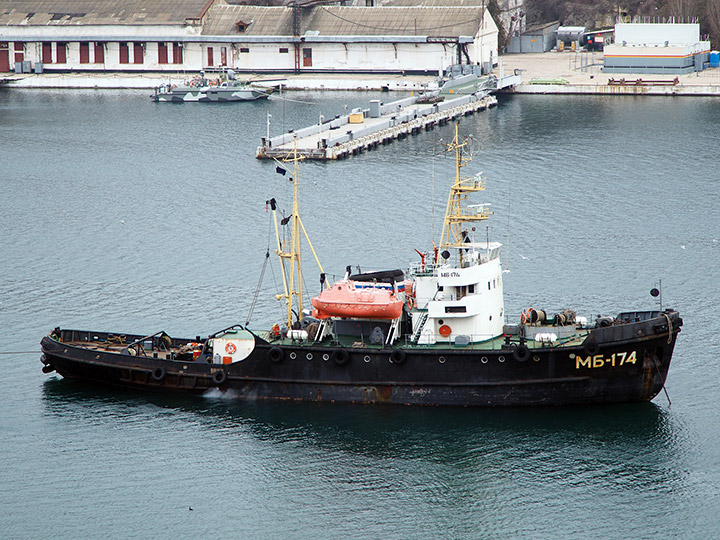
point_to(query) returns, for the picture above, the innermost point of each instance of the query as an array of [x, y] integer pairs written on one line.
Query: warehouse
[[195, 35]]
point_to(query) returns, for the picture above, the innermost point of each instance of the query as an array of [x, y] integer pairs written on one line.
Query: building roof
[[260, 20], [88, 12], [346, 21], [433, 3]]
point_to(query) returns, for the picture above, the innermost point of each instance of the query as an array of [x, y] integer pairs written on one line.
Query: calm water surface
[[124, 215]]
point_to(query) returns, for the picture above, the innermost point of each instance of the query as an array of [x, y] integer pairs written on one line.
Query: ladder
[[421, 325]]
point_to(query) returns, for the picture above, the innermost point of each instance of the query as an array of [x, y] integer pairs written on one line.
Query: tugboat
[[436, 335]]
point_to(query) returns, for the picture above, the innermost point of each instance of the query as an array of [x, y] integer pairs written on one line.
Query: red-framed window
[[61, 53], [124, 53], [210, 57], [177, 53], [84, 53], [99, 52], [162, 53], [46, 53], [138, 52]]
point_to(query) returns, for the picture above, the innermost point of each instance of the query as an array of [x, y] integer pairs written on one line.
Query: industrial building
[[658, 48], [196, 35], [538, 39]]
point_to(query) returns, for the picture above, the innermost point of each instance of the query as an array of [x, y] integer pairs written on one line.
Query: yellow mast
[[453, 235], [293, 283]]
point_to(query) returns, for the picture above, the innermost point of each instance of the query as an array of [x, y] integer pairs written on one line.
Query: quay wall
[[618, 90], [582, 72]]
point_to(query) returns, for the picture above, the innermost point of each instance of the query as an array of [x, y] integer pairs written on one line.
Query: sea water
[[125, 215]]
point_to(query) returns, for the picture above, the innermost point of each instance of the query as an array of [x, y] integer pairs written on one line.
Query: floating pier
[[363, 129]]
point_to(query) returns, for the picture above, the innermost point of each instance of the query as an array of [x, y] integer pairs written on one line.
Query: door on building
[[307, 57], [210, 58], [223, 56], [4, 56], [138, 50], [19, 51]]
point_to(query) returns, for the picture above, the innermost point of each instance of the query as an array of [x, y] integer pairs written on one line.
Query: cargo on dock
[[363, 129]]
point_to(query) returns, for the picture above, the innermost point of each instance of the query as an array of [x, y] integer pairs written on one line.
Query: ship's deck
[[496, 343]]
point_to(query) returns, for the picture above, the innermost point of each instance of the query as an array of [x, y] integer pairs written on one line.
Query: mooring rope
[[669, 328]]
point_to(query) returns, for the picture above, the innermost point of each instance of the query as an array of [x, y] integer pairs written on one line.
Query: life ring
[[230, 348], [397, 356], [525, 316], [158, 374], [340, 356], [521, 353], [276, 354], [591, 347], [219, 377], [411, 303]]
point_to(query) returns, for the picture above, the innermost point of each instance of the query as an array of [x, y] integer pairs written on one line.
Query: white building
[[661, 48], [194, 35]]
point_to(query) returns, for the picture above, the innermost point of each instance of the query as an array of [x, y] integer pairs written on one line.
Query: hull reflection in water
[[639, 439]]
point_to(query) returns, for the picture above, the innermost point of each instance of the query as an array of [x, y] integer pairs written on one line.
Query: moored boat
[[436, 334], [201, 89]]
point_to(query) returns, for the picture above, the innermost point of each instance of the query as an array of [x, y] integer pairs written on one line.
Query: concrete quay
[[365, 129], [121, 81], [581, 73]]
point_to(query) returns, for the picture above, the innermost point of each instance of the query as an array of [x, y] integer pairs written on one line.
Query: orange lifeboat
[[343, 299]]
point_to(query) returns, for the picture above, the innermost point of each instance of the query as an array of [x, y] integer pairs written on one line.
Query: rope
[[20, 352], [272, 270], [257, 289], [655, 362], [669, 328]]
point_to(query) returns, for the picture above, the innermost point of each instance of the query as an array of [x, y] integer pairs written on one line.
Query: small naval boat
[[434, 334], [224, 89]]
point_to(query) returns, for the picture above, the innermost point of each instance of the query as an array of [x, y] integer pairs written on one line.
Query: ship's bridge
[[477, 252]]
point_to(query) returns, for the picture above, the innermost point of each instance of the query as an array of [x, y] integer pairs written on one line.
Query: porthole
[[293, 355], [484, 360], [536, 358], [326, 357], [366, 358], [441, 359], [309, 356], [501, 358]]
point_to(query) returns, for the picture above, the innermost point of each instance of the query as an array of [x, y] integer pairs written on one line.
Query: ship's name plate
[[600, 360]]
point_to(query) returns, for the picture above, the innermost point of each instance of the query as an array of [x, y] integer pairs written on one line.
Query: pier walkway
[[363, 129]]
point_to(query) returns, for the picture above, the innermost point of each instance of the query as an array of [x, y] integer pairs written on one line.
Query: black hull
[[627, 363]]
